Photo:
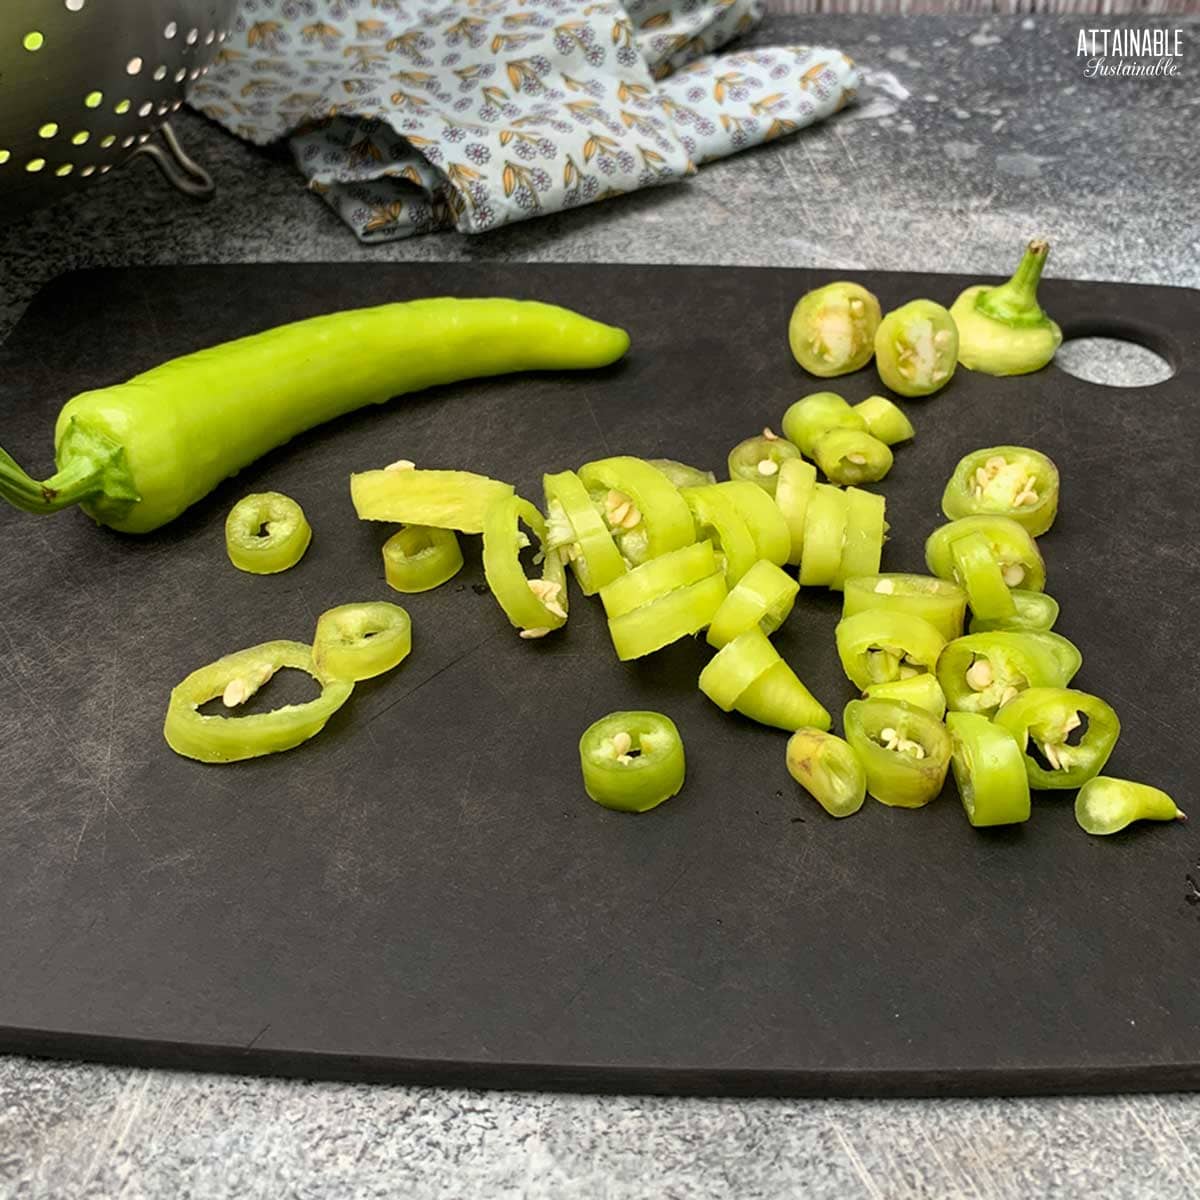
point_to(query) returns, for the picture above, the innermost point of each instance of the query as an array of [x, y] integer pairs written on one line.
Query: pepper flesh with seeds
[[763, 597], [1047, 717], [982, 671], [1005, 481], [814, 415], [832, 328], [535, 607], [905, 750], [418, 559], [577, 531], [632, 761], [266, 533], [828, 769], [641, 506], [941, 602], [218, 739], [757, 460], [360, 641], [405, 495], [877, 646], [1107, 805], [989, 771], [135, 455], [916, 348], [849, 456]]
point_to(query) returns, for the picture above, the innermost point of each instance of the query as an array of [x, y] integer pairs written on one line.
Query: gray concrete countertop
[[974, 135]]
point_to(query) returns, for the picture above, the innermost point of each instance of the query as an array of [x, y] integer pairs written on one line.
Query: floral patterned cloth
[[409, 119]]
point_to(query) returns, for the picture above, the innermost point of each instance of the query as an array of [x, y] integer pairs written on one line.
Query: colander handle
[[181, 171]]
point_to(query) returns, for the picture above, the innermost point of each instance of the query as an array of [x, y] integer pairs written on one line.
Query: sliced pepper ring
[[533, 606], [577, 531], [824, 536], [982, 671], [758, 460], [677, 614], [922, 690], [815, 414], [885, 420], [905, 750], [1047, 717], [418, 558], [218, 739], [772, 538], [852, 456], [828, 769], [641, 506], [1015, 552], [763, 597], [862, 545], [941, 602], [878, 646], [797, 479], [632, 761], [1034, 611], [656, 578], [1007, 481], [977, 570], [266, 532], [682, 474], [718, 520], [989, 770], [406, 495], [360, 641]]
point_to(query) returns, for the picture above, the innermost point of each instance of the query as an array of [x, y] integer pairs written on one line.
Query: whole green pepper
[[135, 455], [1048, 717], [1004, 481], [916, 348]]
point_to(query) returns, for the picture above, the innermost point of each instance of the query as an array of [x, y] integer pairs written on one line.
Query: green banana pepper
[[1005, 481], [1106, 805], [632, 761], [922, 691], [982, 671], [265, 533], [916, 348], [1048, 717], [135, 455], [418, 559], [862, 545], [767, 525], [681, 475], [904, 750], [403, 495], [797, 479], [360, 641], [534, 607], [763, 597], [824, 536], [577, 531], [832, 329], [719, 521]]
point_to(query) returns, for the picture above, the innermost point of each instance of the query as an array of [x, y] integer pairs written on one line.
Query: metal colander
[[87, 84]]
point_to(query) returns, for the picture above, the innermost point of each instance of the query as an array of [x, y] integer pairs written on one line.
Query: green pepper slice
[[440, 499], [632, 761], [1015, 552], [757, 460], [832, 328], [797, 479], [916, 348], [772, 538], [976, 568], [748, 674], [812, 416], [1048, 717], [418, 559], [678, 614], [577, 531], [828, 769], [236, 677], [533, 606], [989, 770], [360, 641], [1061, 649], [824, 536], [718, 520], [266, 532], [682, 475], [1107, 805], [941, 602], [885, 420], [878, 646], [1005, 481], [1034, 611], [922, 691], [982, 671], [640, 505], [866, 529], [849, 456], [904, 750], [763, 597], [656, 578]]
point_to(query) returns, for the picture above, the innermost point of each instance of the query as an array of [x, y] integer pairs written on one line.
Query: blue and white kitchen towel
[[409, 119]]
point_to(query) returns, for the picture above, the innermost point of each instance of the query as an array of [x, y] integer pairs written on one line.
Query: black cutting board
[[425, 893]]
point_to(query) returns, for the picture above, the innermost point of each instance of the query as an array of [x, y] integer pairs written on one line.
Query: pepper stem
[[79, 479], [1015, 302]]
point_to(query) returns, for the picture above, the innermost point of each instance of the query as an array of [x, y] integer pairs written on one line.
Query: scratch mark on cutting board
[[857, 1163], [599, 427], [257, 1036]]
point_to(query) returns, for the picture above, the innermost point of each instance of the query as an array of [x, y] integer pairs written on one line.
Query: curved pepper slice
[[266, 532], [718, 520], [878, 646], [850, 456], [866, 528], [577, 531], [757, 460], [1015, 552], [1005, 481], [360, 641], [828, 770], [922, 691], [748, 674], [678, 614], [772, 538], [656, 578], [441, 499], [763, 597], [1061, 649], [534, 606], [816, 414], [976, 568], [641, 506], [237, 677], [905, 750], [797, 480], [982, 671], [941, 602], [885, 420], [681, 474], [1048, 717], [632, 761], [1034, 611], [418, 559], [989, 770], [1106, 805], [824, 536]]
